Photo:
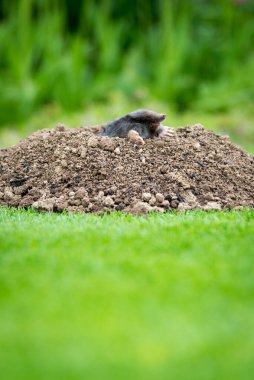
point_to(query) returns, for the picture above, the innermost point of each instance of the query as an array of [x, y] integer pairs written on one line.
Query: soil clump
[[75, 170]]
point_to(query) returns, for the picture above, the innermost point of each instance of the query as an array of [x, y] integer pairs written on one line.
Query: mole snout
[[162, 117], [136, 125]]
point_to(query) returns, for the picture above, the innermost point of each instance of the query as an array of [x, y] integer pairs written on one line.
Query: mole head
[[147, 116]]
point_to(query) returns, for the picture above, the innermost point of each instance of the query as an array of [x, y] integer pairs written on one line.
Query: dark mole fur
[[147, 123]]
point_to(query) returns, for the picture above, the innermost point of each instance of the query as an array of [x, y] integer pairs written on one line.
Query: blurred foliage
[[193, 54]]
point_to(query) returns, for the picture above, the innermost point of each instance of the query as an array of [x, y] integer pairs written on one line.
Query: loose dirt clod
[[75, 170]]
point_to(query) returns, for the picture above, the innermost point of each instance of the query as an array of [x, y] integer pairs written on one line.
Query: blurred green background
[[84, 62]]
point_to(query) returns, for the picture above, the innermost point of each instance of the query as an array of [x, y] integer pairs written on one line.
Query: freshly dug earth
[[74, 170]]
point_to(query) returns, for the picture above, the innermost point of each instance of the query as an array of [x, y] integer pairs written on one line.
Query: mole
[[137, 126]]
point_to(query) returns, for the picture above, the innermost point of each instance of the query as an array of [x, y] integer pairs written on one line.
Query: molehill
[[75, 170]]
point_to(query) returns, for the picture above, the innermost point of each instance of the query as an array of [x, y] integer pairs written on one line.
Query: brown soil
[[74, 170]]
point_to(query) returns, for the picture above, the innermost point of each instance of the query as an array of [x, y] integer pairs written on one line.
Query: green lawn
[[122, 297]]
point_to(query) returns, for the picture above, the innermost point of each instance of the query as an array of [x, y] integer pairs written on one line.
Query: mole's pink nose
[[162, 117]]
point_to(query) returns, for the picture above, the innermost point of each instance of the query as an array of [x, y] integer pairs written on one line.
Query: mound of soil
[[74, 170]]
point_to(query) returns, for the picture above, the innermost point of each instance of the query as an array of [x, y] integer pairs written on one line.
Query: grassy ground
[[123, 297]]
